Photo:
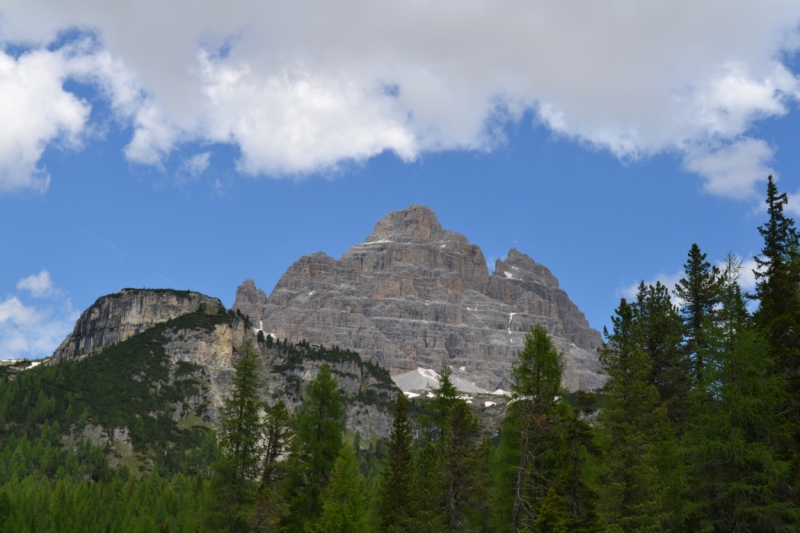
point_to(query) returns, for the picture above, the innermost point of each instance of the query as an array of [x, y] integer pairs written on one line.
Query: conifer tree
[[395, 496], [445, 397], [277, 431], [529, 432], [738, 481], [315, 446], [660, 333], [343, 502], [240, 434], [633, 423], [460, 466], [698, 290], [778, 314]]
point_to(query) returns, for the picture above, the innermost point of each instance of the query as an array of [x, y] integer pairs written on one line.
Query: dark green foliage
[[778, 315], [277, 432], [129, 384], [634, 427], [530, 435], [464, 487], [740, 479], [698, 290], [343, 500], [395, 498], [659, 333], [233, 486], [318, 439]]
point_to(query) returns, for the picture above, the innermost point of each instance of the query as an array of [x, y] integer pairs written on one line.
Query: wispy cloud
[[35, 330], [39, 285]]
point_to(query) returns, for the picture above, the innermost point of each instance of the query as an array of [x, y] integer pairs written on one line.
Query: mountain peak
[[415, 222]]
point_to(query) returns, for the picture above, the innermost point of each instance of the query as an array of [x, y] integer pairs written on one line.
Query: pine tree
[[317, 441], [460, 466], [660, 333], [445, 397], [343, 502], [778, 314], [698, 290], [277, 431], [633, 424], [529, 432], [395, 498], [240, 434], [738, 481]]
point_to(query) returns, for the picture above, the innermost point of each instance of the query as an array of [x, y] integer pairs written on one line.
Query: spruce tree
[[529, 432], [633, 424], [277, 431], [343, 501], [738, 479], [240, 435], [778, 314], [395, 496], [698, 290], [460, 466], [660, 334], [315, 446]]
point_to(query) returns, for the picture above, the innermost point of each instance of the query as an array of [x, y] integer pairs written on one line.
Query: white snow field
[[424, 379]]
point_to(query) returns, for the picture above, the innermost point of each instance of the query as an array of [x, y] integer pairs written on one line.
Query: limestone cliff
[[415, 295], [118, 317]]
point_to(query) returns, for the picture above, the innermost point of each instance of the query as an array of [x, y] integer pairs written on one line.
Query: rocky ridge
[[415, 295], [117, 317]]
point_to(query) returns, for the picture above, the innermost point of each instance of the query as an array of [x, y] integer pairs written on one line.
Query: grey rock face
[[415, 295], [118, 317]]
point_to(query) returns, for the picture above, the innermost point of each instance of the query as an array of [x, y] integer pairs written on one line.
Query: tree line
[[696, 429]]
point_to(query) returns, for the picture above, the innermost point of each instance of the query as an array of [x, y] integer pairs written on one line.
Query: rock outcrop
[[117, 317], [415, 295]]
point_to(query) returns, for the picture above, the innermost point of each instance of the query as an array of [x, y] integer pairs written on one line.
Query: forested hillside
[[697, 429]]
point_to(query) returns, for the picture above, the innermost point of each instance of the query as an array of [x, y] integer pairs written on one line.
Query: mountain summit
[[415, 295]]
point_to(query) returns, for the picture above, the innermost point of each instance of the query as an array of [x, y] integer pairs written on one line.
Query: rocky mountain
[[117, 317], [415, 295], [145, 373]]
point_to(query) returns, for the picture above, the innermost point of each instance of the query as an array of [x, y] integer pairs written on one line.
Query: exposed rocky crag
[[415, 295], [192, 328], [118, 317]]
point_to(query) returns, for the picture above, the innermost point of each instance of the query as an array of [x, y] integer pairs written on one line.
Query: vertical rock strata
[[120, 316], [415, 295]]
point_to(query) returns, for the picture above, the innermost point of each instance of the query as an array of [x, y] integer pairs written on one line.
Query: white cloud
[[34, 331], [40, 285], [732, 170], [196, 165], [302, 87], [668, 280], [34, 112]]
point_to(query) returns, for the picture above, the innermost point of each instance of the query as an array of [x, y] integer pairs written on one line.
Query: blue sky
[[141, 148]]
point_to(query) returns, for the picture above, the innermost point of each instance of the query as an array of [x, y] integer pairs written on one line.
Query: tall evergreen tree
[[445, 397], [737, 480], [343, 500], [529, 432], [698, 290], [395, 496], [316, 444], [778, 293], [277, 431], [460, 466], [660, 333], [633, 425], [233, 485]]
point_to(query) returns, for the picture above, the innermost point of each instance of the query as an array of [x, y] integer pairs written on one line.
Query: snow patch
[[410, 394], [501, 392], [508, 274], [489, 404]]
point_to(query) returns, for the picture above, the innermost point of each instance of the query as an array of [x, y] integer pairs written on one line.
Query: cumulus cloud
[[40, 285], [668, 280], [732, 170], [34, 331], [194, 166], [302, 87]]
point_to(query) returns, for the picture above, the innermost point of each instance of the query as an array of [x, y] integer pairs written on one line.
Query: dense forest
[[696, 430]]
